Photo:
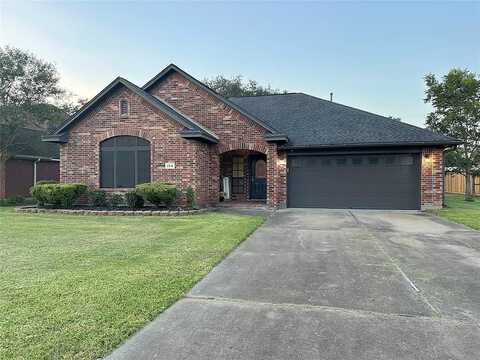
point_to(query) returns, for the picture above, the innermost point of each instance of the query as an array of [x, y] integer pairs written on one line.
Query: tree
[[30, 97], [456, 103], [236, 86], [395, 118]]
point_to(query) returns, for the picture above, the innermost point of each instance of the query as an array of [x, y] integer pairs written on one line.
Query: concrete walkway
[[330, 284]]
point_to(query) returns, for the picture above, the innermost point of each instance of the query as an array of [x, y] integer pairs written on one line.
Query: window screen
[[124, 162]]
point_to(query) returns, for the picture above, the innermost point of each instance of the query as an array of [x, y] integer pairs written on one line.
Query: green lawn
[[74, 287], [461, 211]]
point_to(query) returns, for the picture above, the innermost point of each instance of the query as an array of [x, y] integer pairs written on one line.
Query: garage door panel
[[354, 181]]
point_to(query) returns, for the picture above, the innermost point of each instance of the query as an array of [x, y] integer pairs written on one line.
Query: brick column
[[432, 178]]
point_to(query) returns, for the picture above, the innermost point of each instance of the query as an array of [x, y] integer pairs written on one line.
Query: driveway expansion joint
[[320, 308], [410, 282]]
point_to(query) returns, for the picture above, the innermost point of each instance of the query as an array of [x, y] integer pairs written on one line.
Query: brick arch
[[223, 148], [123, 132]]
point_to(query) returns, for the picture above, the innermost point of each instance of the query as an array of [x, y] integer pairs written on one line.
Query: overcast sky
[[372, 55]]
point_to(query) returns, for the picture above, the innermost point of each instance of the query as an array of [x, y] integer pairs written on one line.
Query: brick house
[[287, 150]]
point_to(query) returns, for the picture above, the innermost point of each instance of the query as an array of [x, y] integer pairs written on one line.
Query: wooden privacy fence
[[455, 183]]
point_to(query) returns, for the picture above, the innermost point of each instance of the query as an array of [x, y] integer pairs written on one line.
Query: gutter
[[367, 145], [31, 157]]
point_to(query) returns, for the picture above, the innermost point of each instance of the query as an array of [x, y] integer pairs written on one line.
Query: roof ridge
[[378, 115], [282, 94]]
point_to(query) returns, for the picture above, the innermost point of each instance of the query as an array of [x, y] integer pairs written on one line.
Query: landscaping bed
[[113, 211]]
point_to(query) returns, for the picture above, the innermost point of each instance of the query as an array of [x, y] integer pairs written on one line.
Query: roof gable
[[192, 128], [173, 68]]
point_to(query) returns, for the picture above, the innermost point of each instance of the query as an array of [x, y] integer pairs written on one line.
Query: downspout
[[35, 171]]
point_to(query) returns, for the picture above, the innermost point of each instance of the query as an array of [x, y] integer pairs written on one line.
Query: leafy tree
[[456, 102], [236, 86], [395, 118], [30, 97]]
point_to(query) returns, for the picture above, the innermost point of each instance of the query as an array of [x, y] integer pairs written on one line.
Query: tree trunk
[[468, 185], [3, 176]]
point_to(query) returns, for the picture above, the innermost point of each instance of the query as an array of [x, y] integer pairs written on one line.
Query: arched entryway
[[243, 175]]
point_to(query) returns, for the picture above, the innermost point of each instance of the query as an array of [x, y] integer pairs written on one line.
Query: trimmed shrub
[[116, 200], [134, 200], [98, 198], [58, 195], [190, 195], [158, 193], [12, 200]]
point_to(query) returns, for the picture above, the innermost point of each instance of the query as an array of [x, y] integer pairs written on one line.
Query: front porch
[[243, 178]]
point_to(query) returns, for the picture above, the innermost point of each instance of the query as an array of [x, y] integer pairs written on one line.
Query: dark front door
[[371, 181], [258, 177]]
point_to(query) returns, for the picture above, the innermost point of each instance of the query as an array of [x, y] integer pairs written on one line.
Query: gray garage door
[[354, 181]]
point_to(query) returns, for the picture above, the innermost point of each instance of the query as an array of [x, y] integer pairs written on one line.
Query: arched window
[[124, 162]]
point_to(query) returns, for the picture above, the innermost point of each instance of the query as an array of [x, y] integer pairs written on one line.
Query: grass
[[74, 287], [461, 211]]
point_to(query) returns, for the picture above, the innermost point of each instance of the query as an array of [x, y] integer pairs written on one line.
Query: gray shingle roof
[[309, 121]]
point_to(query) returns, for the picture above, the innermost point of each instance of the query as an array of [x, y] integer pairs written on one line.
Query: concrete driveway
[[330, 284]]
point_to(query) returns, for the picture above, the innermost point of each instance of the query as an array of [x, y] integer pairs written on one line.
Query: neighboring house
[[32, 161], [290, 150]]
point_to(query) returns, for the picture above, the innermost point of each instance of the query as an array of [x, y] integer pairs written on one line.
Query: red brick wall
[[432, 180], [234, 130], [80, 156]]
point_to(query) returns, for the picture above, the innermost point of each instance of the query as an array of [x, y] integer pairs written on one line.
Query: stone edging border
[[35, 210]]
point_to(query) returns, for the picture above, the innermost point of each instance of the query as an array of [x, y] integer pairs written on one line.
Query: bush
[[12, 200], [134, 200], [58, 195], [158, 193], [116, 200], [98, 198], [190, 194]]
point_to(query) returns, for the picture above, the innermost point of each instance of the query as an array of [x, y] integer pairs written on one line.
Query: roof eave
[[376, 145], [198, 135], [35, 158], [61, 138], [276, 138]]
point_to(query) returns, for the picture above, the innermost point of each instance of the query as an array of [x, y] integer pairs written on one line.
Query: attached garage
[[356, 181]]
